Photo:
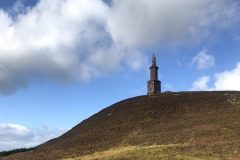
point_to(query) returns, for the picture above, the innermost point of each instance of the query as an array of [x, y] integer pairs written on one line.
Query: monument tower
[[154, 85]]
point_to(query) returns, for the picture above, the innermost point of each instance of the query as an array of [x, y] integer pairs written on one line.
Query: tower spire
[[154, 85], [153, 60]]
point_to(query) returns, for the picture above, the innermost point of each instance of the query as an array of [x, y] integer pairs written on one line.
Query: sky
[[62, 61]]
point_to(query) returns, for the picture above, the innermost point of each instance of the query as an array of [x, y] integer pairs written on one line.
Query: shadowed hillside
[[170, 125]]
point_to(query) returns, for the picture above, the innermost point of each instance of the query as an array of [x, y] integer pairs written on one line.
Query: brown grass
[[209, 122], [153, 152]]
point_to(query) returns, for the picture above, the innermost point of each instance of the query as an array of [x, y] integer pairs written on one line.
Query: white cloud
[[227, 80], [82, 39], [147, 22], [203, 60], [62, 40], [18, 7], [14, 136], [201, 84]]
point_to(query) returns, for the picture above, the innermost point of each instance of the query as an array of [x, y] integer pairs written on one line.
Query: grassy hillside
[[152, 152], [14, 151], [184, 125]]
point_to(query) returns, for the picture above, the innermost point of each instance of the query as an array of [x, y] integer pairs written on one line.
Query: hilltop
[[171, 125]]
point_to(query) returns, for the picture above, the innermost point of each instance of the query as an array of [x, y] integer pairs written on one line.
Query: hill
[[173, 125]]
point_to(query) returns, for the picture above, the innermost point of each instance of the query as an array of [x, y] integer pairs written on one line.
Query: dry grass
[[209, 122], [153, 152]]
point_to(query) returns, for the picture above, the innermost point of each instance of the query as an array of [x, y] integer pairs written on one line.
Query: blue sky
[[62, 61]]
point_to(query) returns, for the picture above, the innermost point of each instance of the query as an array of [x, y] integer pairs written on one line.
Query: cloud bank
[[227, 80], [13, 136], [147, 22], [81, 39]]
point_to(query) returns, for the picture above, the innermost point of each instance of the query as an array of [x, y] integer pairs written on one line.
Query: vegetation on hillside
[[7, 153], [179, 125], [153, 152]]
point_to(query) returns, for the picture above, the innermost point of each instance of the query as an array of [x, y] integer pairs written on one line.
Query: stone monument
[[154, 85]]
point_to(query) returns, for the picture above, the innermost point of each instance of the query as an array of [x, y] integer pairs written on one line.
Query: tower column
[[154, 85]]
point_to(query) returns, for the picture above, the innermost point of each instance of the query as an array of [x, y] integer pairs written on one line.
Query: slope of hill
[[174, 125]]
